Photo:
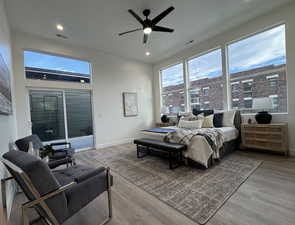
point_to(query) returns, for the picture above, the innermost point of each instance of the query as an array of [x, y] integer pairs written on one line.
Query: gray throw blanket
[[214, 137]]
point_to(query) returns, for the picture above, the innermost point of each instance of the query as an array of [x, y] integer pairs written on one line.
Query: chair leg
[[110, 208], [25, 219]]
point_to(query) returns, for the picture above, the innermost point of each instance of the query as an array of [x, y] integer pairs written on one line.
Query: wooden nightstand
[[164, 124], [272, 137]]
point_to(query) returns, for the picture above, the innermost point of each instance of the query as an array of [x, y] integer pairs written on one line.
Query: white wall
[[284, 14], [112, 75], [7, 123]]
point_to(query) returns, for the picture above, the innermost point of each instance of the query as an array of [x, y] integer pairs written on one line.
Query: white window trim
[[273, 96], [247, 81], [272, 76], [236, 82]]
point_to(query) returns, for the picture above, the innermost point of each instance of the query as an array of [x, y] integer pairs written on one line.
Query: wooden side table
[[164, 124], [272, 137]]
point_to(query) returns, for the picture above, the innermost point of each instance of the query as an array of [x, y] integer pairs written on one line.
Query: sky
[[51, 62], [264, 49]]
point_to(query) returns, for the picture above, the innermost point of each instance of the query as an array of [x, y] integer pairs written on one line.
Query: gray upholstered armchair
[[56, 195], [59, 157]]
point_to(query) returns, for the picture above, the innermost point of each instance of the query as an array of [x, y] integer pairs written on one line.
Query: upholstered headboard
[[237, 119]]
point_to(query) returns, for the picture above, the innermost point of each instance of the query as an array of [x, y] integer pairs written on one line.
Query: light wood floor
[[266, 198]]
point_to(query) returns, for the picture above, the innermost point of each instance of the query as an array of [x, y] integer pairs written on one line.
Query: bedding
[[199, 149], [194, 124]]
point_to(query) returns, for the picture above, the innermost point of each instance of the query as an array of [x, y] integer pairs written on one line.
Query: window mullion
[[186, 86], [227, 90]]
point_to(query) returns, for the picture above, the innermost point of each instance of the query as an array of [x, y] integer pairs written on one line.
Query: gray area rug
[[196, 193]]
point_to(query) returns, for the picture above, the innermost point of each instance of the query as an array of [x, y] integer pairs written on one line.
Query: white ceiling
[[95, 23]]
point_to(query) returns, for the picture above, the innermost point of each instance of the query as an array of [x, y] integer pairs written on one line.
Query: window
[[235, 86], [248, 103], [259, 62], [235, 103], [256, 68], [275, 101], [206, 91], [173, 95], [43, 66], [205, 74], [273, 81]]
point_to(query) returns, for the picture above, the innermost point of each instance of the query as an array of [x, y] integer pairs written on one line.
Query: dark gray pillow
[[217, 120], [205, 112]]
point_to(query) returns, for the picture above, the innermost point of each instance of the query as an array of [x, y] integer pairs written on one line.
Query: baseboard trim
[[292, 152], [118, 142]]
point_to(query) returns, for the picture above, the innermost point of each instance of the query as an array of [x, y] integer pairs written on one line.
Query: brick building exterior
[[208, 93]]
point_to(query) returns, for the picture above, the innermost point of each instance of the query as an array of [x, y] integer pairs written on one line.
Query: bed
[[199, 151]]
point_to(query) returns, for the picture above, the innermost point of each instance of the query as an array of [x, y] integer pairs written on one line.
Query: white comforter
[[199, 149]]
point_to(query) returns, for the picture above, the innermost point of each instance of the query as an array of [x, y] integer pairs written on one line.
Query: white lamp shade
[[262, 103]]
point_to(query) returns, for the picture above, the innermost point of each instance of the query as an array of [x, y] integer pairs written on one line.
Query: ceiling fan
[[149, 25]]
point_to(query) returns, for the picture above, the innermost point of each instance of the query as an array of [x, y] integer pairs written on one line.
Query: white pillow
[[207, 120], [195, 124], [228, 118]]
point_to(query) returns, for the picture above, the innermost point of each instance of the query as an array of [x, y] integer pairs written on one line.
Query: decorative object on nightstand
[[164, 112], [270, 137], [263, 117]]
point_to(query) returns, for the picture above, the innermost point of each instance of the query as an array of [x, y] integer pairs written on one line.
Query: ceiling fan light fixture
[[147, 53], [147, 30]]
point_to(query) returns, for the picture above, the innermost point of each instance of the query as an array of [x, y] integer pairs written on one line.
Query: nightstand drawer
[[273, 137]]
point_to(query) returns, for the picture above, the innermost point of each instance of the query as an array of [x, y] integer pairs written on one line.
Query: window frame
[[188, 87], [184, 82], [227, 100], [243, 37], [58, 55]]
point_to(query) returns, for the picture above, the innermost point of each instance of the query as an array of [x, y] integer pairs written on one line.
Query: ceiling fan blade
[[136, 16], [158, 18], [145, 38], [130, 31], [162, 29]]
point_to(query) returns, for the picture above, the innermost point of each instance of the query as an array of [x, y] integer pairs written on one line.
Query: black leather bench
[[174, 150]]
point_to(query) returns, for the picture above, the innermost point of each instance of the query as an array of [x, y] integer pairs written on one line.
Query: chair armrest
[[86, 176], [50, 194]]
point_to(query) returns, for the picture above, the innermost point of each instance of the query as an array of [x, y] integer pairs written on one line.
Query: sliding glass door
[[62, 116]]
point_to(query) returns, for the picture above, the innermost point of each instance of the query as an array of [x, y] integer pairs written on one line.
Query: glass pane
[[50, 67], [47, 115], [79, 118], [173, 97], [257, 68], [206, 81]]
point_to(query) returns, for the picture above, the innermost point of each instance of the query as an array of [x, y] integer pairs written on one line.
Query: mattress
[[229, 133]]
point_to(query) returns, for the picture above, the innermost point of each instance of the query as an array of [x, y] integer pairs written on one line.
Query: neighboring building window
[[273, 81], [248, 103], [247, 88], [235, 103], [259, 62], [206, 91], [275, 101], [172, 83], [205, 75], [43, 66], [235, 86]]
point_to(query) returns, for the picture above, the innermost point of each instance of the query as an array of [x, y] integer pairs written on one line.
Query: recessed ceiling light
[[59, 27], [147, 53], [147, 30]]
